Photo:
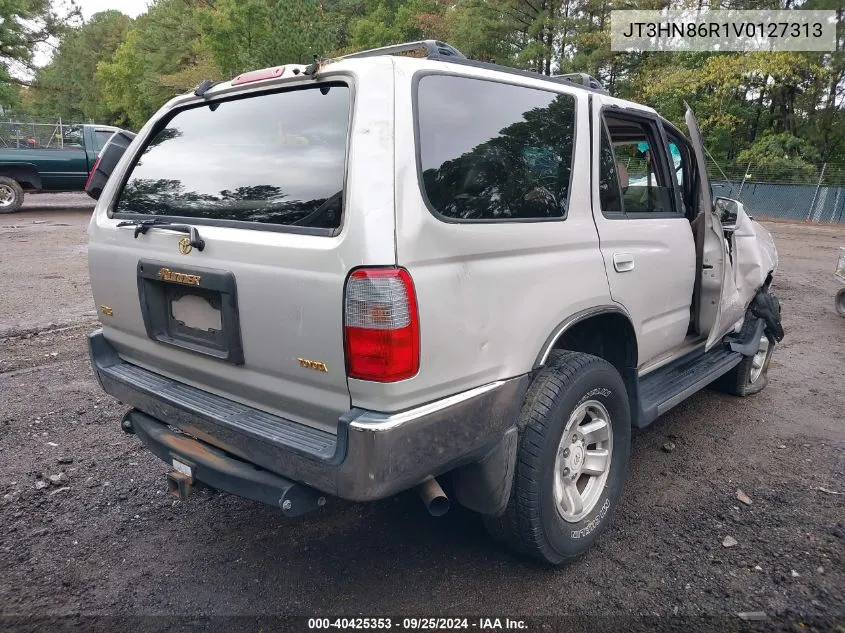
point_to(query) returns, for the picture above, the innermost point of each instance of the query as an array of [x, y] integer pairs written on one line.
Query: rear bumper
[[374, 455]]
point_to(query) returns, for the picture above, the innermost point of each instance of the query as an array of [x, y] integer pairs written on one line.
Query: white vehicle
[[381, 272]]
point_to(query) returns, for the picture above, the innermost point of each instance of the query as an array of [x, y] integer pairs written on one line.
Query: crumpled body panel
[[752, 257]]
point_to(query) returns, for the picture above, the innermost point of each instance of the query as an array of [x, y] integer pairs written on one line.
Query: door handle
[[623, 262]]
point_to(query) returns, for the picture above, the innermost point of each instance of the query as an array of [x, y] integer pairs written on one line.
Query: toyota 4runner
[[403, 268]]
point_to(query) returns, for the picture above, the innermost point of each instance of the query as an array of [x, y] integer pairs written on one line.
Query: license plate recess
[[192, 308]]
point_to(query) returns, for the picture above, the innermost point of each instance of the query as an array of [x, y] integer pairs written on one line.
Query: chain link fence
[[801, 196], [809, 193], [39, 133]]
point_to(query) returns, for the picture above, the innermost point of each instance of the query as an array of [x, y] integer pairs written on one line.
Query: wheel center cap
[[577, 456]]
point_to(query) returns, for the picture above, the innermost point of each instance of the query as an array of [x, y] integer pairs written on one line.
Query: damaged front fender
[[753, 260], [754, 256]]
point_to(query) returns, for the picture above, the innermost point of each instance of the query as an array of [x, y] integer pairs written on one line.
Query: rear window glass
[[101, 137], [492, 151], [272, 159]]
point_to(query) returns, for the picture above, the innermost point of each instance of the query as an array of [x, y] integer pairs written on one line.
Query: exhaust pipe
[[126, 423], [432, 495]]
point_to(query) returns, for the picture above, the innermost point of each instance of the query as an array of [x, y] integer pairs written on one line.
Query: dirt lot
[[105, 540]]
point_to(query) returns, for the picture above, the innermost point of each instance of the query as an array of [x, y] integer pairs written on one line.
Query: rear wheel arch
[[26, 176], [606, 332]]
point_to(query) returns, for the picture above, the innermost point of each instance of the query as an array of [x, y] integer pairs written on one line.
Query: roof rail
[[433, 50], [582, 79], [442, 51]]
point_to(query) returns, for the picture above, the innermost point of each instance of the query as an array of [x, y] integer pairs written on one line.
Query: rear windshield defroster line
[[270, 160]]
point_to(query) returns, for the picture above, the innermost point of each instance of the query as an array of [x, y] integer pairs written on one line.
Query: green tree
[[481, 32], [781, 157], [383, 22], [521, 33], [248, 34], [68, 86], [739, 99], [25, 24], [161, 56]]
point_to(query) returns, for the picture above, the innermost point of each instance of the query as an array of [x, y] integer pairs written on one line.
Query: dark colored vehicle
[[106, 162], [35, 169]]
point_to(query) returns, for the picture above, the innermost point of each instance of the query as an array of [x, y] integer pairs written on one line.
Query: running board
[[671, 384]]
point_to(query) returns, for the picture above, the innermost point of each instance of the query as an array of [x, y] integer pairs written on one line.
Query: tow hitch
[[200, 465], [179, 485]]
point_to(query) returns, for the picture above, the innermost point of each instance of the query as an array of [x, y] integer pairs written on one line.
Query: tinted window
[[638, 157], [493, 151], [609, 192], [101, 137], [275, 158]]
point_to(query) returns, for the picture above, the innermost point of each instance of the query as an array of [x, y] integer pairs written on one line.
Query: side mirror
[[107, 160], [728, 210]]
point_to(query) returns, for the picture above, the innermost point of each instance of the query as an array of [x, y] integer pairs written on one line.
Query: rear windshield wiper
[[142, 226]]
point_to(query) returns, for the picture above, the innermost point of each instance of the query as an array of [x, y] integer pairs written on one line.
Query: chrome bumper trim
[[378, 422], [375, 454]]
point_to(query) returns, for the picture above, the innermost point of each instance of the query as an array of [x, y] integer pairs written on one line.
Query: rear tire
[[840, 302], [11, 195], [572, 460], [751, 375]]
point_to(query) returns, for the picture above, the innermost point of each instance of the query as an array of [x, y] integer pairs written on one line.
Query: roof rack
[[433, 50], [582, 79], [578, 80], [441, 51]]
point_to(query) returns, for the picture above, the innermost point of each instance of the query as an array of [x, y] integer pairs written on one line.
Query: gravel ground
[[42, 259], [103, 539]]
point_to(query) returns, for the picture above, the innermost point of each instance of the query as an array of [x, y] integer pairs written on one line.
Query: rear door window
[[641, 169], [491, 151], [271, 159]]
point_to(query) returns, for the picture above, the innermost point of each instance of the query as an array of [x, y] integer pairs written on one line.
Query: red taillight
[[91, 175], [381, 325]]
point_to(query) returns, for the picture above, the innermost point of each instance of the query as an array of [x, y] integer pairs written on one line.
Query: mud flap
[[485, 486]]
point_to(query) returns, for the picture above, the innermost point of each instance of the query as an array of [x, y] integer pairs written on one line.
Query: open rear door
[[717, 308]]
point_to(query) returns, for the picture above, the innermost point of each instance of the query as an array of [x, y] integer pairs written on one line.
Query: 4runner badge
[[185, 246], [165, 274]]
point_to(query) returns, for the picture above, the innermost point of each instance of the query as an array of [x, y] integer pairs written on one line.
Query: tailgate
[[256, 315]]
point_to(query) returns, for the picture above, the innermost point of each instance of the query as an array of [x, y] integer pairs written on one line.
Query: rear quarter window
[[270, 159], [491, 151]]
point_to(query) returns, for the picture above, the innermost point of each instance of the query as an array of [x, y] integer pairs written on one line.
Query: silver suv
[[405, 269]]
